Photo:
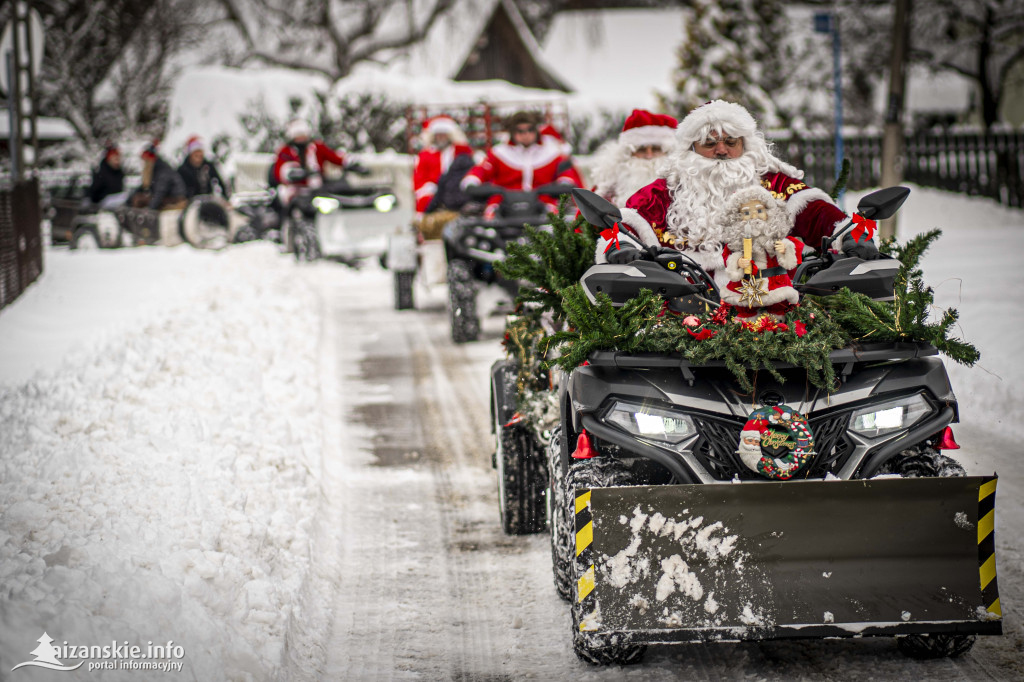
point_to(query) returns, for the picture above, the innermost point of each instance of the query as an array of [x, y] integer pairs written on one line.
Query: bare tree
[[107, 63], [326, 36], [979, 39]]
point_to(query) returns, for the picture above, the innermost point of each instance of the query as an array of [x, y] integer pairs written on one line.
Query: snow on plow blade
[[794, 559]]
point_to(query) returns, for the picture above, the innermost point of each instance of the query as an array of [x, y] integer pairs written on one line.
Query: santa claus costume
[[617, 174], [676, 210], [519, 167], [435, 160], [302, 152]]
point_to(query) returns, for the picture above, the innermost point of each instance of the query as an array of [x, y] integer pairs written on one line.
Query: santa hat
[[297, 127], [150, 150], [194, 143], [444, 125], [111, 150], [643, 128], [754, 428], [719, 116]]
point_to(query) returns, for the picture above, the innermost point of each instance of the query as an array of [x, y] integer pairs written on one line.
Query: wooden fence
[[987, 165], [21, 244]]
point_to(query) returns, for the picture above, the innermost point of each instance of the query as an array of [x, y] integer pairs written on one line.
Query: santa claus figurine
[[624, 165], [759, 254]]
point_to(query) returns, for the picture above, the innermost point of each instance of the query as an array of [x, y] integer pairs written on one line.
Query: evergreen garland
[[906, 317]]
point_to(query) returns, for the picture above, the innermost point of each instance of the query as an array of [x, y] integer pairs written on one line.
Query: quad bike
[[661, 532], [474, 244], [340, 221]]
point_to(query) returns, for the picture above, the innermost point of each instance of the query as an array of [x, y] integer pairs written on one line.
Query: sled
[[794, 559]]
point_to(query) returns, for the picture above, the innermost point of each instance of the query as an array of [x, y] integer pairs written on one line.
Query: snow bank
[[162, 483]]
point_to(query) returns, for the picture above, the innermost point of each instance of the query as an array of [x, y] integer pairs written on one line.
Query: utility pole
[[893, 142]]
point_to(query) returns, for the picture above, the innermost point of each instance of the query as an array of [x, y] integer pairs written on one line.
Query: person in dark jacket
[[162, 188], [200, 175], [108, 178]]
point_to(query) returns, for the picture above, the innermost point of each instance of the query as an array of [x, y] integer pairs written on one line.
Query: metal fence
[[977, 164], [21, 243]]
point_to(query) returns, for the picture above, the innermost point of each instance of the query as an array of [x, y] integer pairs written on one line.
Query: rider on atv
[[720, 150], [526, 161]]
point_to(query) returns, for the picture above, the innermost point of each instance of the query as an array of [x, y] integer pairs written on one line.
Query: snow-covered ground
[[165, 415]]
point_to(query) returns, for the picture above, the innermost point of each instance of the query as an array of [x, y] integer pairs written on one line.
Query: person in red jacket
[[301, 151], [720, 150], [526, 161], [439, 169]]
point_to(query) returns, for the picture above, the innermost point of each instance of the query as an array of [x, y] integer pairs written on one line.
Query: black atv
[[474, 244], [662, 531]]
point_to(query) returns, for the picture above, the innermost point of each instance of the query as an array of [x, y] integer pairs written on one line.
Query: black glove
[[865, 248], [623, 256], [358, 169]]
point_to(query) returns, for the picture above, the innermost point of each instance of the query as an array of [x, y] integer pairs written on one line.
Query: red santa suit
[[316, 155], [523, 168], [432, 163]]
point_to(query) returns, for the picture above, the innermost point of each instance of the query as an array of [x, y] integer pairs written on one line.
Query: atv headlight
[[326, 204], [385, 202], [889, 417], [653, 423]]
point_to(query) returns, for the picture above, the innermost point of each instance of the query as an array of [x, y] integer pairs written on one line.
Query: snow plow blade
[[796, 559]]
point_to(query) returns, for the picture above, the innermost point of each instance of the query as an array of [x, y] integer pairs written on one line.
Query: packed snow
[[164, 427]]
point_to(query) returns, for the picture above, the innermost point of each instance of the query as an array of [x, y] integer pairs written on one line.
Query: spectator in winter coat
[[526, 161], [162, 188], [301, 151], [108, 178], [199, 174], [439, 169], [719, 150]]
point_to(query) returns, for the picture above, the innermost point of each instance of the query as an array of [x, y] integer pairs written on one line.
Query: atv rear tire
[[593, 648], [522, 479], [403, 290], [560, 519], [925, 462], [462, 302], [938, 645], [306, 241], [85, 238]]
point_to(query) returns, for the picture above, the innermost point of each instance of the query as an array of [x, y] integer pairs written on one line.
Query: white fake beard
[[634, 174], [699, 187]]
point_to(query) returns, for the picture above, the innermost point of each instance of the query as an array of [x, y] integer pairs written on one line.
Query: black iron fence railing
[[21, 243]]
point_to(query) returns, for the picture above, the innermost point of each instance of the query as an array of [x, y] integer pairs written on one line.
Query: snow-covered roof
[[616, 58], [47, 127], [452, 38]]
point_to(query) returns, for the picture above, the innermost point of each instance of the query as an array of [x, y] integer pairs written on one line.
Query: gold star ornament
[[752, 291]]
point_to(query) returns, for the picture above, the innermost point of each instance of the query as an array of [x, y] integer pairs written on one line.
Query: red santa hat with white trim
[[643, 128], [194, 143], [754, 428], [444, 125]]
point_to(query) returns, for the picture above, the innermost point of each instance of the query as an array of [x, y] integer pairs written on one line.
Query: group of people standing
[[163, 187]]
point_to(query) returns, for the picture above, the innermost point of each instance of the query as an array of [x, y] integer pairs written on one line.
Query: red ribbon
[[863, 226], [612, 236]]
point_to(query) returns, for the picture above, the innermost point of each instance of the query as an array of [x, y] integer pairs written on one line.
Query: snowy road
[[426, 585]]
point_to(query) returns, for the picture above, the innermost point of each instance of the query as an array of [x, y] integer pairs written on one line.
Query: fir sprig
[[906, 317]]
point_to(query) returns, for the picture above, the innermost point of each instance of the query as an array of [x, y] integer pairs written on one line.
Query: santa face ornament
[[776, 442]]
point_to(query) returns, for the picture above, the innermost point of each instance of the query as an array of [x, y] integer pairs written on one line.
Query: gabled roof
[[457, 35]]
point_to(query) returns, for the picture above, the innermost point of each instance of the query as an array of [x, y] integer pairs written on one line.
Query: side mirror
[[882, 204], [595, 209]]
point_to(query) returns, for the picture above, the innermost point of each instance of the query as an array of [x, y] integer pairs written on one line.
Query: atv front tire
[[560, 519], [307, 242], [403, 290], [590, 647], [938, 645], [926, 462], [522, 479], [462, 302]]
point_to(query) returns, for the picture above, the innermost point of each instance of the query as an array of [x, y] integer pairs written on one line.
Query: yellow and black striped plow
[[987, 546], [794, 559], [584, 555]]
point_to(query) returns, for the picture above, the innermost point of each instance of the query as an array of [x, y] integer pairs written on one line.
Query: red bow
[[612, 236], [863, 226]]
